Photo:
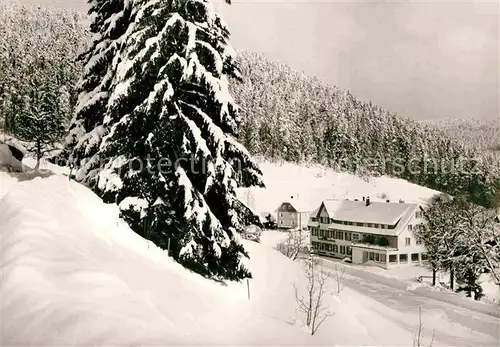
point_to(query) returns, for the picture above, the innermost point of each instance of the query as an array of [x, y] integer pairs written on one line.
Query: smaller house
[[292, 214], [287, 216]]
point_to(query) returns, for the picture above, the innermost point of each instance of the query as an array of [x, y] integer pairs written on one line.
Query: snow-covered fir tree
[[155, 125], [41, 117], [109, 22]]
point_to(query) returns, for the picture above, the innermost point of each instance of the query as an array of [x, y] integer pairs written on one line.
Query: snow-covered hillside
[[74, 274], [311, 184]]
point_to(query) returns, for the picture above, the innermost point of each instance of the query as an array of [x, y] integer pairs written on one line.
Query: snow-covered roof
[[299, 205], [376, 212], [315, 212]]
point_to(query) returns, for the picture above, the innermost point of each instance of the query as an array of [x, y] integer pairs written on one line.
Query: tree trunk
[[452, 277], [38, 154], [434, 272]]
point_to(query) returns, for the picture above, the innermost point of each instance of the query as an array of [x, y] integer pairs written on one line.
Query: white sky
[[422, 59]]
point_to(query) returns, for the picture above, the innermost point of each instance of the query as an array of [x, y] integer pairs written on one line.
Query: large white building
[[380, 233]]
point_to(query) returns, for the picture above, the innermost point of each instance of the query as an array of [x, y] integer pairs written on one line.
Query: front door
[[365, 256]]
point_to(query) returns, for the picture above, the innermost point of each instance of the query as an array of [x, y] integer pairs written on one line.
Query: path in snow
[[437, 307]]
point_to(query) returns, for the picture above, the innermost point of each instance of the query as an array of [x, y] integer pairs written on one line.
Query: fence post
[[248, 288]]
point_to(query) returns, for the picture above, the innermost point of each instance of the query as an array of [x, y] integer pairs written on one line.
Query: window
[[393, 258], [342, 249], [359, 224], [355, 237], [329, 247], [281, 214], [418, 214], [349, 250], [315, 245], [370, 225], [348, 236], [322, 233], [332, 221], [281, 222], [335, 249], [383, 258], [340, 235], [407, 241], [410, 227], [424, 256], [376, 226], [293, 222], [377, 257], [382, 226], [418, 242], [403, 258], [371, 256], [414, 257]]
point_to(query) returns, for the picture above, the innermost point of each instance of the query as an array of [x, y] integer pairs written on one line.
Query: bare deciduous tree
[[312, 304], [417, 340], [295, 243], [338, 276]]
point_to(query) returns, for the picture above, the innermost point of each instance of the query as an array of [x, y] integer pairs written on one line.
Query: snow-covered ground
[[72, 273], [309, 185]]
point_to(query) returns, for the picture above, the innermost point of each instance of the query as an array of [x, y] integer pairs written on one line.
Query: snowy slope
[[72, 273], [312, 184]]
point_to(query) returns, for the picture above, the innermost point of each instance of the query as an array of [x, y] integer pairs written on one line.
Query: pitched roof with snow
[[298, 205], [375, 212]]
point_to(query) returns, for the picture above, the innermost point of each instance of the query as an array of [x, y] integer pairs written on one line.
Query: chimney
[[363, 198], [401, 201], [367, 201], [388, 200]]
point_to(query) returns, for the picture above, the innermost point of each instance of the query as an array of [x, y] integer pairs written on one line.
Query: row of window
[[381, 258], [347, 236], [335, 234], [291, 222], [331, 248], [393, 258], [326, 220]]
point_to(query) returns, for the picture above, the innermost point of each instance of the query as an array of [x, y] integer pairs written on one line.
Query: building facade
[[378, 233], [287, 216]]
